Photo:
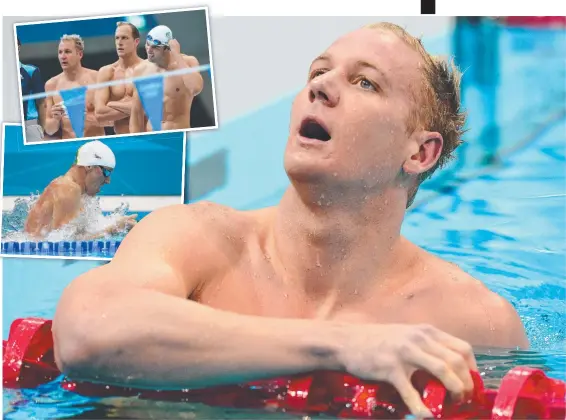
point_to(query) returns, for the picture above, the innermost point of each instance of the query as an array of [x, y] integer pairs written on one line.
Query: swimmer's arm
[[51, 124], [193, 81], [130, 322], [102, 109], [41, 111], [124, 106]]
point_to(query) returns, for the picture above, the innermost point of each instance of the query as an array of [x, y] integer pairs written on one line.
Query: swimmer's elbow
[[74, 346]]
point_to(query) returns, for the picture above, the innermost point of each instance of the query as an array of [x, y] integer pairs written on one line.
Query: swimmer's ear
[[426, 151]]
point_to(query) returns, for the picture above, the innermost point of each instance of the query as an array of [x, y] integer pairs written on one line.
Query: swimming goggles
[[155, 42], [105, 171]]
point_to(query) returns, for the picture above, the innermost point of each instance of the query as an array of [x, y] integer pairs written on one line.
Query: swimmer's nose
[[324, 90]]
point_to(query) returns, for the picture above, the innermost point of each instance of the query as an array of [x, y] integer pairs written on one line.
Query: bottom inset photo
[[79, 199]]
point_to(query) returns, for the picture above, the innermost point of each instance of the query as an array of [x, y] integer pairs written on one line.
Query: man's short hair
[[134, 28], [437, 104], [79, 42]]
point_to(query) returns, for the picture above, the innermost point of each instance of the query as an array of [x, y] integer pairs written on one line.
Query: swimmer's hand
[[58, 111], [175, 46], [124, 223], [392, 353]]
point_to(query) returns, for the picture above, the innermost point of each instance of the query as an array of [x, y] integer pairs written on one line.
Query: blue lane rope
[[63, 248]]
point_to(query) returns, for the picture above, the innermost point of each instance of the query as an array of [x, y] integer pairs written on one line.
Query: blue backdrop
[[145, 165]]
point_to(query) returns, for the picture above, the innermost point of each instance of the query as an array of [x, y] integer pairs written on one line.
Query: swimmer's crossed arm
[[104, 108], [131, 322]]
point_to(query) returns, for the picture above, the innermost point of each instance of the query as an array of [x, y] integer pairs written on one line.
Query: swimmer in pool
[[113, 104], [322, 281], [70, 52], [61, 202], [164, 54]]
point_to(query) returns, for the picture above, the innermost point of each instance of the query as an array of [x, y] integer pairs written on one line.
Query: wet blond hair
[[437, 103], [79, 42]]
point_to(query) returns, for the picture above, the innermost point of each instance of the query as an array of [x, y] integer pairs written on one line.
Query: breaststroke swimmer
[[70, 54], [61, 202], [322, 281], [113, 103], [163, 55]]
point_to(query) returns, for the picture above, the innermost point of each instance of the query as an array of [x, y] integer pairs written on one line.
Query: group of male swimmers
[[117, 106]]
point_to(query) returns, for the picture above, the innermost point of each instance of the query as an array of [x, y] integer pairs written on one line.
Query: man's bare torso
[[177, 100], [249, 279], [61, 82]]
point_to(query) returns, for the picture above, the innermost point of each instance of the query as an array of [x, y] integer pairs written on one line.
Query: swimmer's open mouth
[[312, 129]]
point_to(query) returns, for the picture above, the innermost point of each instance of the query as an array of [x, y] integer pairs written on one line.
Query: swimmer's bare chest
[[90, 129], [176, 100], [254, 287], [121, 91]]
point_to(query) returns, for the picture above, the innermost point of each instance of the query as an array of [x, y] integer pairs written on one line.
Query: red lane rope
[[524, 392]]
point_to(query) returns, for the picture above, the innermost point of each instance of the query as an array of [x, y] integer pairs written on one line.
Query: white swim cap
[[160, 36], [95, 153]]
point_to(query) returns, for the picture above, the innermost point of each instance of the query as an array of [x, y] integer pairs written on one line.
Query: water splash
[[90, 221]]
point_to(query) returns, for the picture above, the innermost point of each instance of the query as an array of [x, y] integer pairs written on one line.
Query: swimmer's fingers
[[446, 365], [459, 346], [410, 395]]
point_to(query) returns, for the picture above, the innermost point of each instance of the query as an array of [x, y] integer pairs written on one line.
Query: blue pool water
[[504, 223], [506, 227]]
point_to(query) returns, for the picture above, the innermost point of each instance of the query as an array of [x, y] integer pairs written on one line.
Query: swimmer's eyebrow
[[322, 57], [361, 63]]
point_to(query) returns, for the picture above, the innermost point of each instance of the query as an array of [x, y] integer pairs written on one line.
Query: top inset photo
[[126, 74]]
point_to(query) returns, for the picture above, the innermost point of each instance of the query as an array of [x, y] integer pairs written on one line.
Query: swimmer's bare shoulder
[[52, 83], [107, 71], [190, 60], [181, 247], [144, 67], [467, 308]]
